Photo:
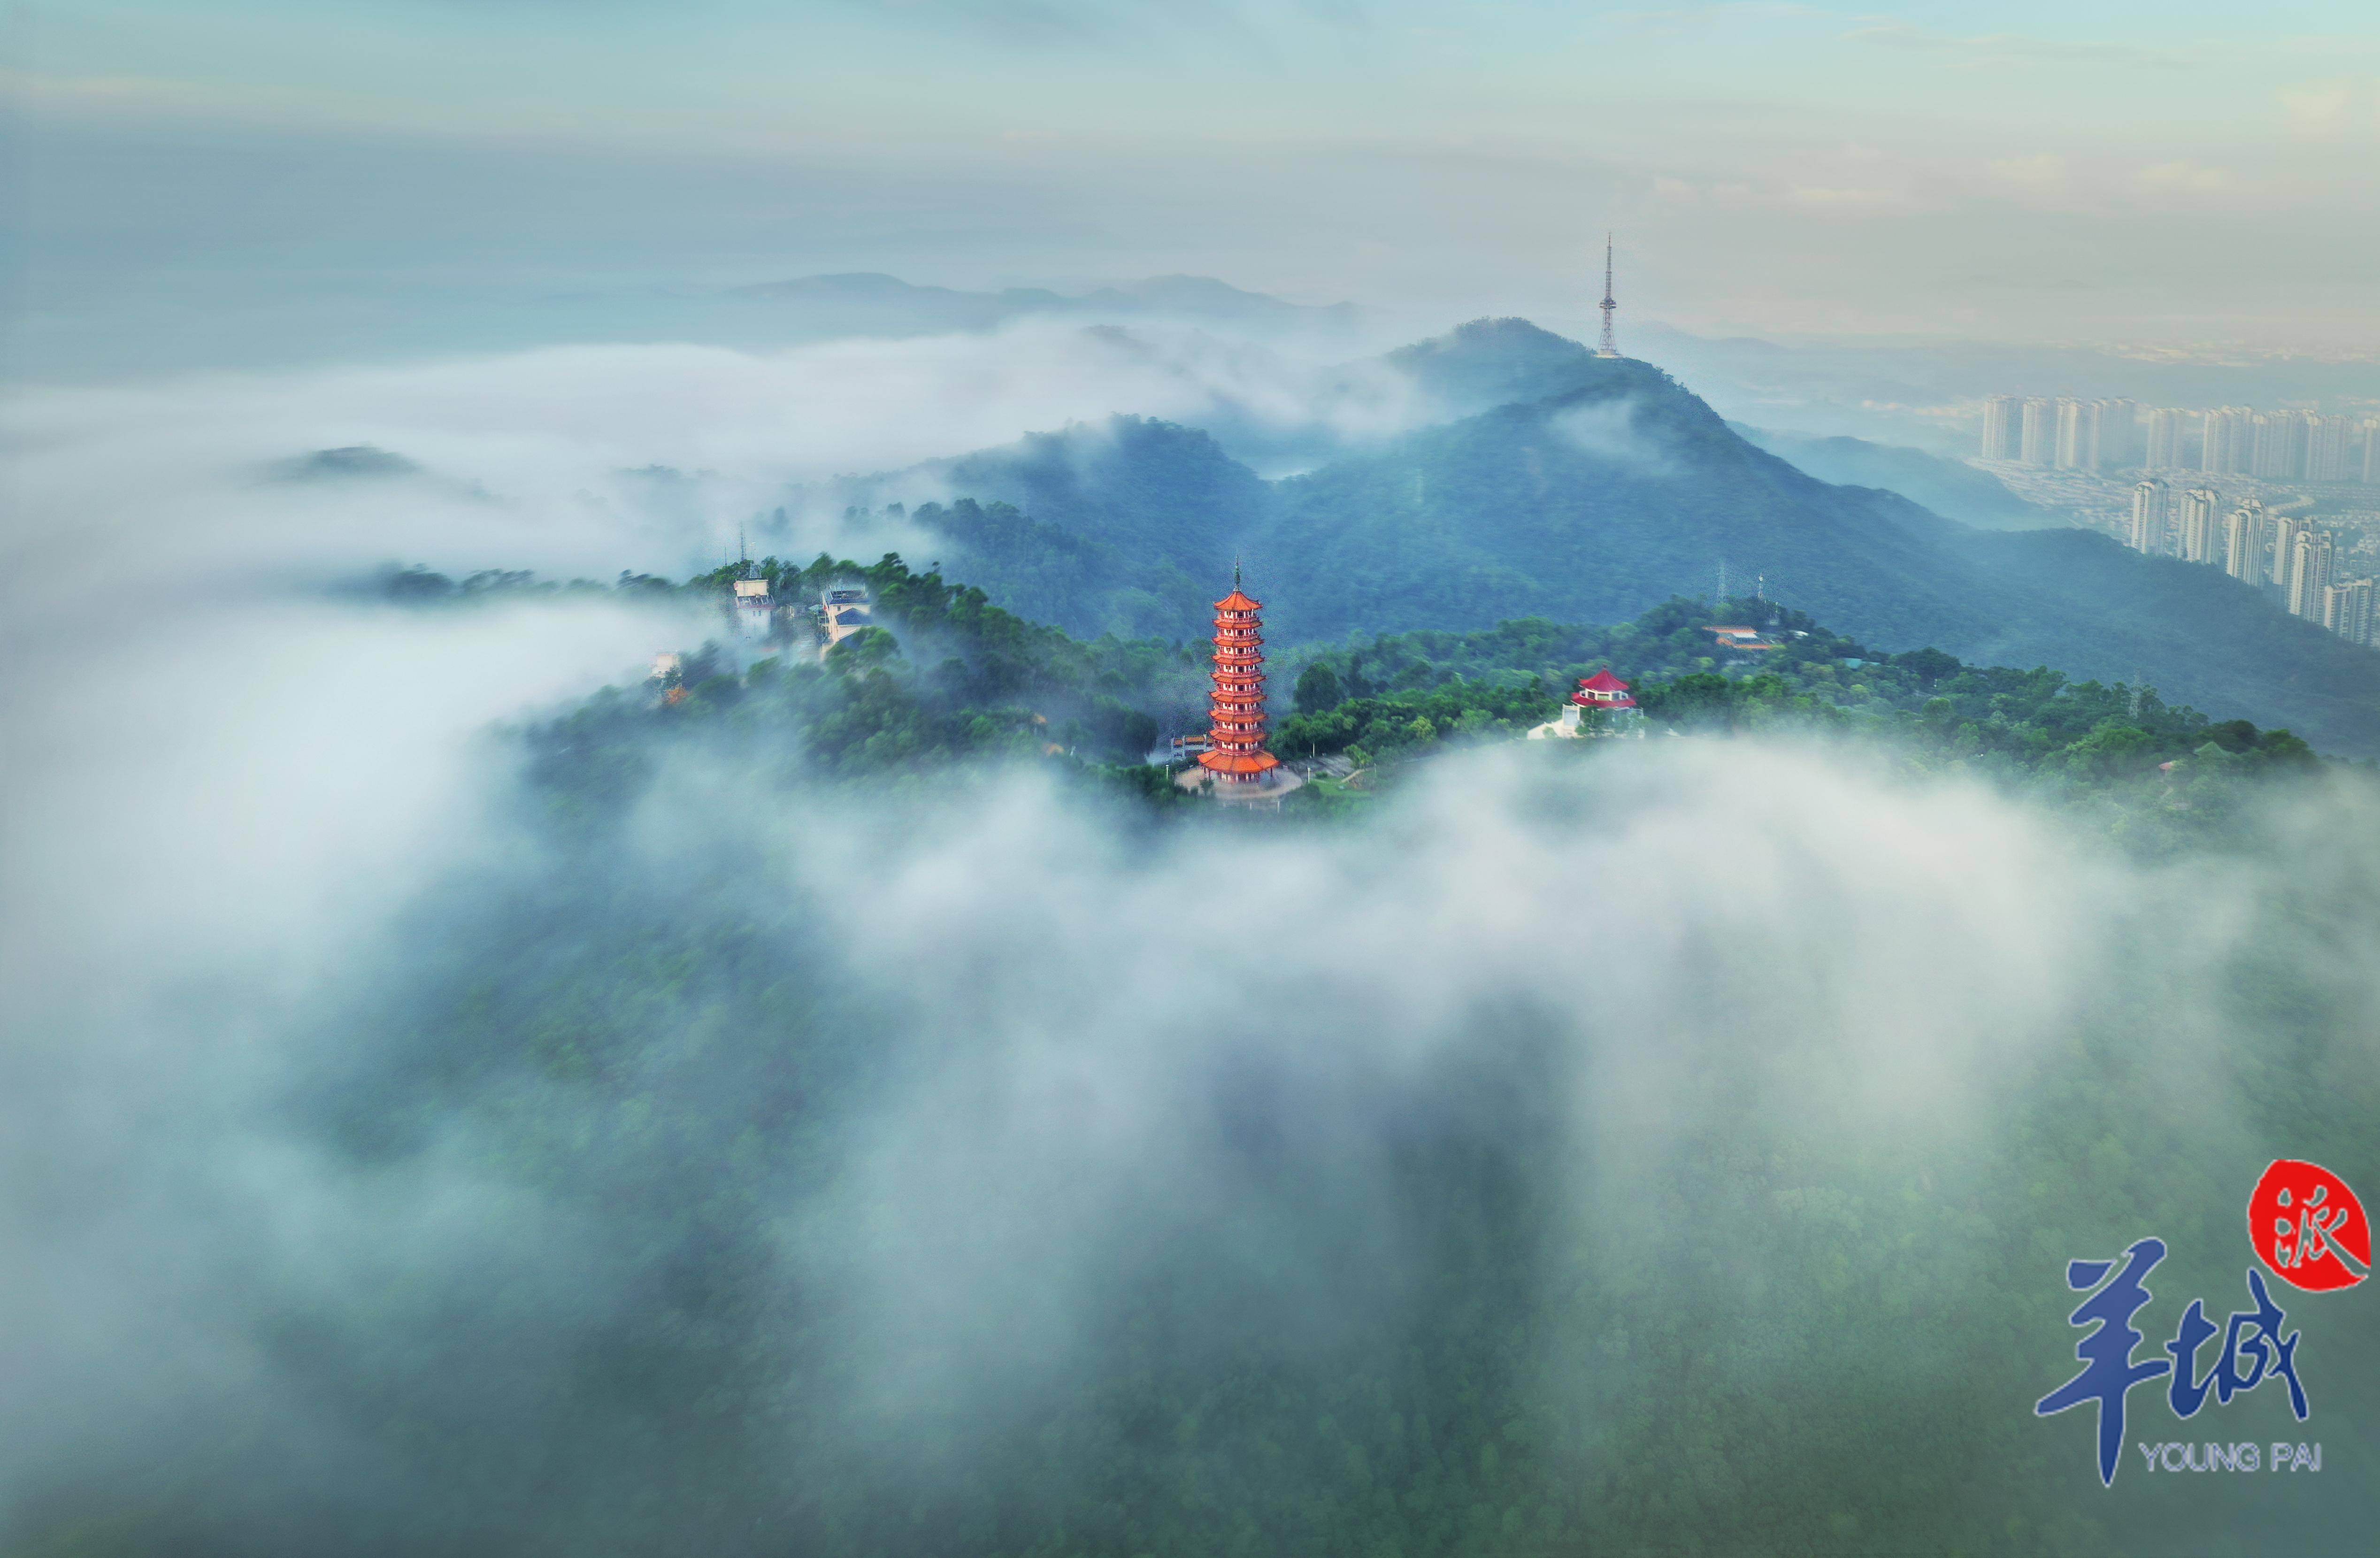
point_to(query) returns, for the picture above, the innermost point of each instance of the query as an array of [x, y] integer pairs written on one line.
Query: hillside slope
[[1122, 527], [1948, 488]]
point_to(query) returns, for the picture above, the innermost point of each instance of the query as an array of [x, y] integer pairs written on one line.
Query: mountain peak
[[1489, 362]]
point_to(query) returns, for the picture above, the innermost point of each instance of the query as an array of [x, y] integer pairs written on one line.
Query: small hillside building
[[1601, 706], [843, 609], [754, 607]]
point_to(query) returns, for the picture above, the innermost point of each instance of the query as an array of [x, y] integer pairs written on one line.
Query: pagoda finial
[[1235, 572]]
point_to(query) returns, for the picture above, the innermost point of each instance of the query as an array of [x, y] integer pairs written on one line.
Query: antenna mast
[[1610, 347]]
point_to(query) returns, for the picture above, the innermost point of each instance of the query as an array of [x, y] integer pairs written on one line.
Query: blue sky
[[2174, 174]]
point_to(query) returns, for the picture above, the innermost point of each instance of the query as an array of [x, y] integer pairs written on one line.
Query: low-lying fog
[[1694, 1140]]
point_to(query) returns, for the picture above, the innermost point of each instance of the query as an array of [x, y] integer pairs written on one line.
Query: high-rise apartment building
[[2308, 571], [2247, 544], [2115, 435], [2284, 530], [2037, 431], [2347, 610], [2003, 424], [2228, 445], [2277, 446], [2372, 450], [2168, 439], [2327, 448], [2074, 427], [2149, 516], [2196, 533], [2264, 444]]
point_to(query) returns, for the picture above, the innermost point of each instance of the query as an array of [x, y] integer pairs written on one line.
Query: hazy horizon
[[201, 190]]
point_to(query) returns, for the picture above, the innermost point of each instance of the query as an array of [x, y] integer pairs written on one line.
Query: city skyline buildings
[[2105, 435], [2287, 556], [2065, 432]]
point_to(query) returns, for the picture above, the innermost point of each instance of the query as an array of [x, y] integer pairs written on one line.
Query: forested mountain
[[1591, 505], [1120, 528], [1590, 490]]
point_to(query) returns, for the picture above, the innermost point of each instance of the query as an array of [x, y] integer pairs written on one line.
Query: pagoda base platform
[[1264, 792]]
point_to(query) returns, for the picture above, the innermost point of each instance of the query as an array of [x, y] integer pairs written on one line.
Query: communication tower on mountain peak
[[1609, 347]]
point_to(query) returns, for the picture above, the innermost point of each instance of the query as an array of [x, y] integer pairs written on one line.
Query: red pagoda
[[1236, 738]]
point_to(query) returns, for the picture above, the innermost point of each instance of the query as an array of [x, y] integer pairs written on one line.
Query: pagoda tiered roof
[[1235, 713]]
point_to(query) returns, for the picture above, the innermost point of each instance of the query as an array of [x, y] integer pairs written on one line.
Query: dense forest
[[950, 681], [2158, 774]]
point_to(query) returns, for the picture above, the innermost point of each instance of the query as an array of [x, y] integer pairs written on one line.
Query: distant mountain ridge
[[871, 300], [1589, 490], [1948, 487]]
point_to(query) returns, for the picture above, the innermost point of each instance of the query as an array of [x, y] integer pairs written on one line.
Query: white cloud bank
[[1090, 1055]]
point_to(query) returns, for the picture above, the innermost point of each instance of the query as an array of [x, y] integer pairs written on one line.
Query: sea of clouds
[[233, 790]]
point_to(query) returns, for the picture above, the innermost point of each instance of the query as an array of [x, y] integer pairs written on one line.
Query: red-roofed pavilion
[[1602, 690], [1236, 709]]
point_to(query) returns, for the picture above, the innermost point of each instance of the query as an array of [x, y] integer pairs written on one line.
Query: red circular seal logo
[[2307, 1226]]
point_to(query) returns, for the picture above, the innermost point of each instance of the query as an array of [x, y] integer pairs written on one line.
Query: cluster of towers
[[2270, 445], [2066, 433], [2283, 553]]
